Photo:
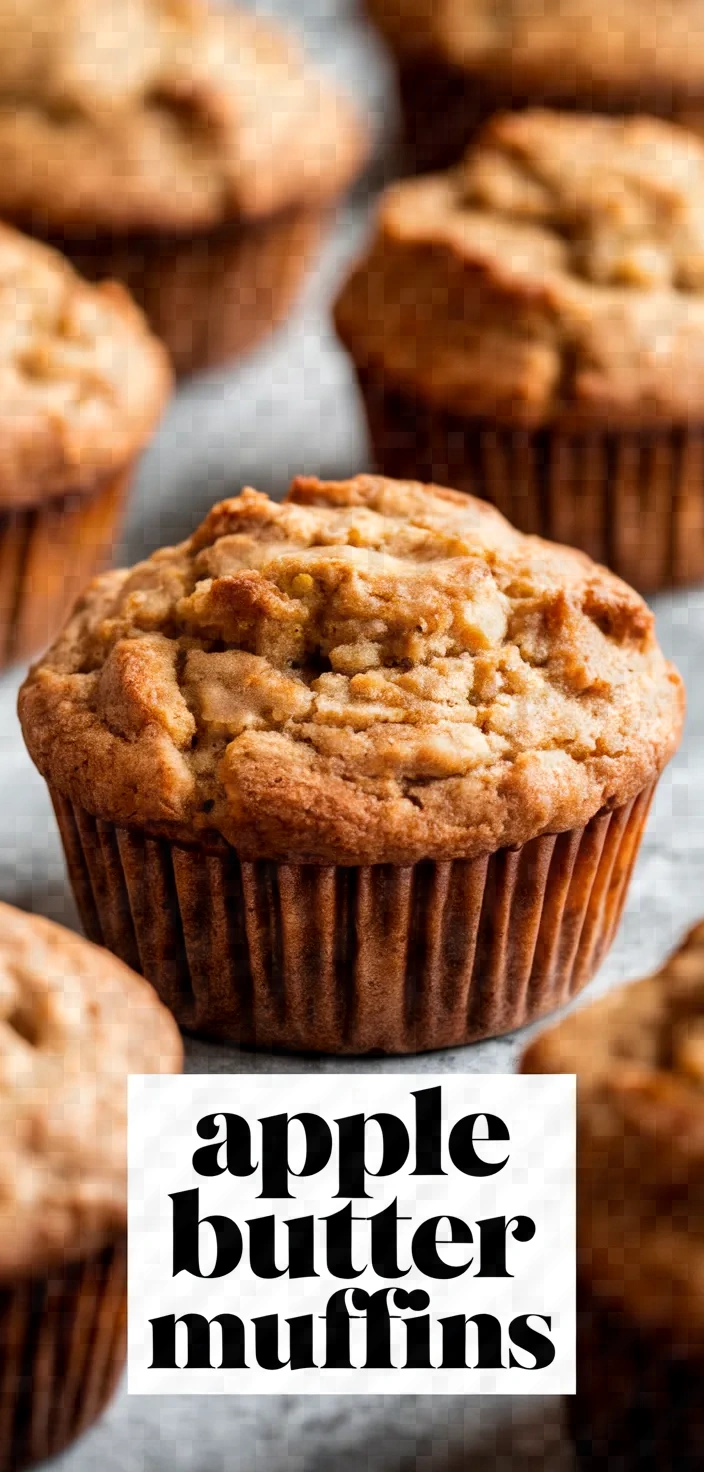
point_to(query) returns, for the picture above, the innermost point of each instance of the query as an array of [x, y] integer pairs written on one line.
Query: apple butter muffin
[[365, 770], [82, 385], [183, 148], [73, 1023], [639, 1060], [459, 61], [530, 327]]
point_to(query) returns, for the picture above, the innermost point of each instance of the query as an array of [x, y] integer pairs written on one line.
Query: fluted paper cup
[[211, 296], [337, 959], [62, 1351], [48, 553], [633, 500], [638, 1405]]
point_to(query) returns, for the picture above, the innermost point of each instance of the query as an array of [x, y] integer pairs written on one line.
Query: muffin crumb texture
[[73, 1023], [557, 271], [639, 1058], [82, 381], [166, 114], [372, 671], [573, 46]]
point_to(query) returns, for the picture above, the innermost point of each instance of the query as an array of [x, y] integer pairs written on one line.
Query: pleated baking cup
[[633, 500], [210, 296], [443, 107], [48, 552], [638, 1406], [62, 1351], [333, 959]]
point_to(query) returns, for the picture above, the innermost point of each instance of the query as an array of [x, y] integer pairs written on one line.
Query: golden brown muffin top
[[556, 273], [639, 1058], [373, 671], [74, 1022], [562, 47], [82, 381], [166, 114]]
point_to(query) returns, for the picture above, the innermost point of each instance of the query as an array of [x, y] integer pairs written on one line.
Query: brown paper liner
[[48, 553], [62, 1351], [331, 959], [443, 107], [638, 1406], [212, 296], [631, 499]]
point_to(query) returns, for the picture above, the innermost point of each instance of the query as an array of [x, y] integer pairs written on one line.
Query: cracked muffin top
[[372, 671], [639, 1060], [556, 273], [82, 381], [166, 114], [73, 1023], [589, 47]]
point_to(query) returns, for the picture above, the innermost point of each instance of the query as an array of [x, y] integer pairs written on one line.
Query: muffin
[[462, 60], [530, 328], [639, 1057], [73, 1023], [183, 149], [82, 385], [363, 771]]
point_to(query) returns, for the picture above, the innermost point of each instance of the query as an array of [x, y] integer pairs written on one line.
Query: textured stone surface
[[292, 409]]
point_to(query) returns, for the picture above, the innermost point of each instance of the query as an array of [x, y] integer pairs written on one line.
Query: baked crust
[[373, 671], [74, 1022], [82, 380], [639, 1060], [556, 275], [588, 47], [165, 114]]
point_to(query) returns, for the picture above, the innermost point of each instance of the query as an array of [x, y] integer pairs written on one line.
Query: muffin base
[[209, 297], [638, 1406], [443, 107], [48, 552], [331, 959], [632, 499], [62, 1350]]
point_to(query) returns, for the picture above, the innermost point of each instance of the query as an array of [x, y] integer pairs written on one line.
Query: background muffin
[[73, 1023], [462, 60], [530, 327], [82, 385], [639, 1058], [365, 770], [181, 148]]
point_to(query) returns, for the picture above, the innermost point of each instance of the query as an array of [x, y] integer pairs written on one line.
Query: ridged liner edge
[[62, 1351], [353, 960]]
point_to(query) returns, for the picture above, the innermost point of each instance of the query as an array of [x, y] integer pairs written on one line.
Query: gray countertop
[[292, 408]]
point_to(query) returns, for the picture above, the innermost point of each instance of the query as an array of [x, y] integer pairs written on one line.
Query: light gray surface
[[291, 409]]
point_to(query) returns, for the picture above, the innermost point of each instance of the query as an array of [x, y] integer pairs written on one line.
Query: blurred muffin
[[639, 1058], [459, 61], [73, 1023], [364, 771], [183, 149], [530, 328], [82, 385]]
